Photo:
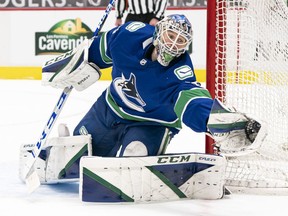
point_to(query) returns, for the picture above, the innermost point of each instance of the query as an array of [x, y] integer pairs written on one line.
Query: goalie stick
[[32, 179]]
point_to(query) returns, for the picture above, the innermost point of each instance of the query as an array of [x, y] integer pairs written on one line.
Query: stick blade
[[32, 182]]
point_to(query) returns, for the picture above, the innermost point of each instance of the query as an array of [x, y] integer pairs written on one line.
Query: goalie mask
[[172, 37]]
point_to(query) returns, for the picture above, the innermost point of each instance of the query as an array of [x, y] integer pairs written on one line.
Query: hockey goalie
[[118, 148]]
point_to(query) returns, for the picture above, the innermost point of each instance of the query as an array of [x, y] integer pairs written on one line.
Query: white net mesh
[[252, 72]]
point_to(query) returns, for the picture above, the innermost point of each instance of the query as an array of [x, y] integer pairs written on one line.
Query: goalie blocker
[[71, 69]]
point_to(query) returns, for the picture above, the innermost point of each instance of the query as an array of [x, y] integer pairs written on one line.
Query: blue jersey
[[144, 90]]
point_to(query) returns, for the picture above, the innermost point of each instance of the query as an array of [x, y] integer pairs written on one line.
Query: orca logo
[[127, 90]]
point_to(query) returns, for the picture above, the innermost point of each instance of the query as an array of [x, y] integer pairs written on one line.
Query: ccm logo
[[173, 159], [59, 58]]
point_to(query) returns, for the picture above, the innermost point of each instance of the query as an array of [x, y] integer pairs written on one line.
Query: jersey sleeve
[[99, 51], [193, 107]]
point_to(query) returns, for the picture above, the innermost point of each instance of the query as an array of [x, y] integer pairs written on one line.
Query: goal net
[[247, 68]]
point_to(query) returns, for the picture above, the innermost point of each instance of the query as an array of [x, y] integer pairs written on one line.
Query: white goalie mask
[[172, 37]]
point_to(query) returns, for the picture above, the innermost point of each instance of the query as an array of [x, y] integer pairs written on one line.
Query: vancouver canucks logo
[[127, 90]]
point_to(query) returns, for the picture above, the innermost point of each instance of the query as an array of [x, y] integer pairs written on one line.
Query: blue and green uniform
[[144, 99]]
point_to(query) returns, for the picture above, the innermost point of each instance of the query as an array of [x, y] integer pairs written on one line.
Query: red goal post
[[210, 59]]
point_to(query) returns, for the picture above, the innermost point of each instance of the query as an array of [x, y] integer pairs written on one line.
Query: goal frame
[[210, 60]]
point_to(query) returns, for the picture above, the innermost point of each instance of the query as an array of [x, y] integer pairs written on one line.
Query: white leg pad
[[157, 178], [60, 161]]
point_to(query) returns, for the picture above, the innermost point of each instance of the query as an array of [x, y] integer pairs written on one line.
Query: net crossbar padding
[[247, 68]]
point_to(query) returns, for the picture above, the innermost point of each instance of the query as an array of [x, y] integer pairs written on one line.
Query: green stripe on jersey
[[188, 95], [103, 48]]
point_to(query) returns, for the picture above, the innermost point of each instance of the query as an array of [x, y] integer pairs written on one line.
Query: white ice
[[25, 109]]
